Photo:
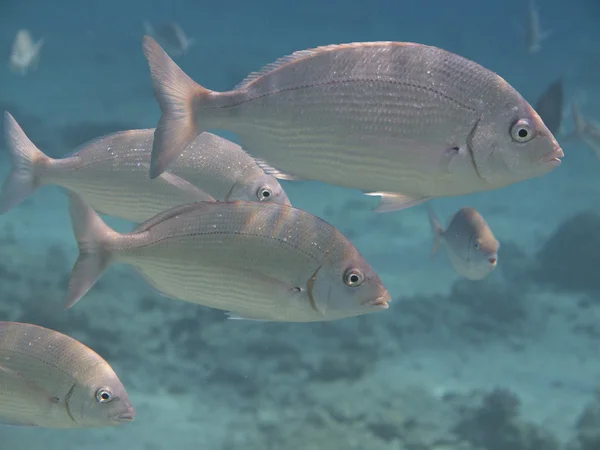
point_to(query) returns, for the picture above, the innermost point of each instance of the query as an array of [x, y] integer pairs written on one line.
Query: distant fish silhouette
[[586, 130], [550, 106], [535, 34], [25, 53], [171, 36]]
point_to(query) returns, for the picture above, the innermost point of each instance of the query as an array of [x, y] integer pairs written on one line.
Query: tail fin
[[92, 236], [176, 94], [22, 180], [436, 228]]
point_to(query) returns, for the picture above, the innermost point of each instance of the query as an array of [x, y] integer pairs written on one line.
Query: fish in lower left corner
[[50, 380]]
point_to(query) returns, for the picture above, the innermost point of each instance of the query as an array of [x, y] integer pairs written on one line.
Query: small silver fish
[[25, 54], [586, 130], [472, 247], [260, 261], [171, 36], [48, 379], [111, 173], [535, 34], [403, 121]]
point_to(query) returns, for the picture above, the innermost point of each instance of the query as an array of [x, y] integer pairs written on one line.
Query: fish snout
[[127, 416], [381, 302], [554, 157], [493, 260]]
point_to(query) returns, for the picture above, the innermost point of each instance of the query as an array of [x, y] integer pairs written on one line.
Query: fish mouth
[[127, 416], [554, 157], [379, 302]]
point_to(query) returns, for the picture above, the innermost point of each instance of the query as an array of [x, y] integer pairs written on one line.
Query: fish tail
[[24, 177], [93, 237], [436, 228], [176, 94]]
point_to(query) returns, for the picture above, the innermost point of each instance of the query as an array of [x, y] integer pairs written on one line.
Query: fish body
[[471, 245], [260, 261], [111, 173], [25, 53], [403, 121], [48, 379]]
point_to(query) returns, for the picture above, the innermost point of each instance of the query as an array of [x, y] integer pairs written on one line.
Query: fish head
[[481, 256], [348, 286], [483, 250], [101, 400], [263, 188], [510, 142]]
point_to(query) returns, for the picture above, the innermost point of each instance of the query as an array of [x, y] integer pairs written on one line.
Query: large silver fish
[[260, 261], [48, 379], [404, 121], [111, 173], [472, 247]]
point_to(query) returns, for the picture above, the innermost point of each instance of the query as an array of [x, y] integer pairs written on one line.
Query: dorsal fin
[[168, 214], [296, 56]]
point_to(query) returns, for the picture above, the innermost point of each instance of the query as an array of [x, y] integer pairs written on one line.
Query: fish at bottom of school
[[260, 261], [111, 173], [48, 379], [402, 121], [471, 245]]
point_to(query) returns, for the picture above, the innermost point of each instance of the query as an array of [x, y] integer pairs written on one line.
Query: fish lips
[[554, 157], [127, 416], [379, 302]]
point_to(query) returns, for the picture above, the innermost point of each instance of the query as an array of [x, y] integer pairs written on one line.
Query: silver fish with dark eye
[[48, 379]]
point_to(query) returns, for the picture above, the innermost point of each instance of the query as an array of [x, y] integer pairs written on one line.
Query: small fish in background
[[48, 379], [171, 36], [111, 173], [586, 130], [25, 54], [550, 106], [472, 247], [535, 34], [259, 261], [447, 127]]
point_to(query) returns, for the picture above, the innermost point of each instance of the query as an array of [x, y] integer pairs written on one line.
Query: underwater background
[[507, 363]]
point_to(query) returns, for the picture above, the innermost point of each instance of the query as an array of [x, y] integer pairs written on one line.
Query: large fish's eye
[[521, 131], [103, 395], [264, 193], [353, 278], [477, 245]]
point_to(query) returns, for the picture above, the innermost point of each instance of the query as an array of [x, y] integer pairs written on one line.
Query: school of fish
[[405, 122]]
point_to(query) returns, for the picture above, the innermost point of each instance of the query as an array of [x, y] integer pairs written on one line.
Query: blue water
[[507, 363]]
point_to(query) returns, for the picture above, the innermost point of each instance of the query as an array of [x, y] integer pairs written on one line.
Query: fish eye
[[477, 245], [103, 395], [353, 278], [521, 131], [264, 193]]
